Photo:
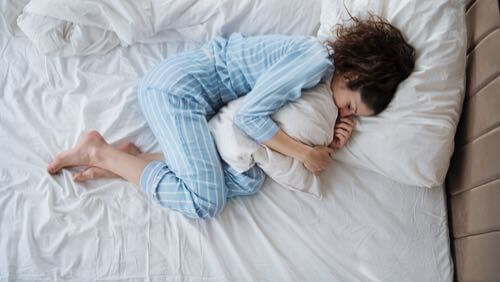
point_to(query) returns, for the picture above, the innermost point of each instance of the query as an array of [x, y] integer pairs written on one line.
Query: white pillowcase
[[412, 141], [310, 120]]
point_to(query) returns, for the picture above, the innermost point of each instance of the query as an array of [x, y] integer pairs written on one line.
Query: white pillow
[[310, 120], [412, 141]]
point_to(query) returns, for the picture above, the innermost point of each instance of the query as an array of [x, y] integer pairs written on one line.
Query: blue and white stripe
[[179, 95]]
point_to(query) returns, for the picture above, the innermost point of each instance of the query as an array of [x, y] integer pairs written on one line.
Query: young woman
[[365, 63]]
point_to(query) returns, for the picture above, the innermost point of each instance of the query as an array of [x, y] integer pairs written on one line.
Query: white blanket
[[79, 27]]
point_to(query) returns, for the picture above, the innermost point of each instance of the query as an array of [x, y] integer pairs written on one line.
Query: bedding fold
[[79, 28], [67, 28]]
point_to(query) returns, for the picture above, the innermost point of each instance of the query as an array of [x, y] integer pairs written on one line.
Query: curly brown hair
[[373, 55]]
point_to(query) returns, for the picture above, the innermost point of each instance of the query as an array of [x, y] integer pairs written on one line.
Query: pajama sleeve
[[302, 66]]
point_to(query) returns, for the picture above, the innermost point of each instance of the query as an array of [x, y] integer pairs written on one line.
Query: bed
[[367, 226], [473, 180]]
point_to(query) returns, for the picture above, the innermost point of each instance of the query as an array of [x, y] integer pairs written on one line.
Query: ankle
[[97, 154]]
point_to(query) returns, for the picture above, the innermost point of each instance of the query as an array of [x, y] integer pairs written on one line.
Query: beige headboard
[[473, 181]]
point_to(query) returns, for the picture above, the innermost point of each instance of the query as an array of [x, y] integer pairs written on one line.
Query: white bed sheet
[[366, 227]]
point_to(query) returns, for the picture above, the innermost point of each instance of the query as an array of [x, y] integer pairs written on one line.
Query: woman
[[365, 64]]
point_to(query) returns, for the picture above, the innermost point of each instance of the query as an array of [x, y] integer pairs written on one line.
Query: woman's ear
[[350, 76]]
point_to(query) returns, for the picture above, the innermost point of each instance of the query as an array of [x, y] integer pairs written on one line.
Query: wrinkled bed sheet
[[366, 227], [78, 27]]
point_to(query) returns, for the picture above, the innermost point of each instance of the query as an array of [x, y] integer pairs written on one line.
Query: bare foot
[[84, 153], [92, 173]]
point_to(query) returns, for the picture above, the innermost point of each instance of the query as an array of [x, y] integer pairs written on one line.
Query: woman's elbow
[[241, 121]]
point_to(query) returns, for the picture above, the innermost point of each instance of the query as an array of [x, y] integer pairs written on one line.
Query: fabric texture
[[310, 120], [412, 140], [179, 96], [60, 28]]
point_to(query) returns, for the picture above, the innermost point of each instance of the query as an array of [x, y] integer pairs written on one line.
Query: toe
[[54, 166], [78, 177]]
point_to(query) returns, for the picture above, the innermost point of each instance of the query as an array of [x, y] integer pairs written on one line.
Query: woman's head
[[371, 58]]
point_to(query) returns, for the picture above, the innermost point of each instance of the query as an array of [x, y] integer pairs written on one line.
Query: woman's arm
[[315, 159], [302, 67], [286, 145]]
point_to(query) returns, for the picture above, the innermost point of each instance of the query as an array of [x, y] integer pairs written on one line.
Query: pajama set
[[183, 92]]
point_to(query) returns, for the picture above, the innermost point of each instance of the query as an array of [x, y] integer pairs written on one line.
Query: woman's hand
[[342, 132], [316, 159]]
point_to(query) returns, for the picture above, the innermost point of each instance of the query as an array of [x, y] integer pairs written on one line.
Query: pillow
[[412, 141], [54, 37], [310, 120]]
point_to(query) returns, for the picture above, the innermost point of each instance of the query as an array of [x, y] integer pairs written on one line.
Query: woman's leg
[[93, 173], [93, 150], [105, 160], [193, 185], [238, 184], [191, 179], [152, 156]]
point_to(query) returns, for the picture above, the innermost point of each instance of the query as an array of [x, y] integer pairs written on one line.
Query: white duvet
[[77, 27], [366, 227]]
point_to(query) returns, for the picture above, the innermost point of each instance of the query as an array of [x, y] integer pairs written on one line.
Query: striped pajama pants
[[177, 98]]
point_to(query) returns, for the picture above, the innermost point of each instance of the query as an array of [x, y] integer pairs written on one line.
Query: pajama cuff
[[151, 177], [268, 133]]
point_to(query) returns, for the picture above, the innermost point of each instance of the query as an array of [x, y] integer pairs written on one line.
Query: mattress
[[366, 226]]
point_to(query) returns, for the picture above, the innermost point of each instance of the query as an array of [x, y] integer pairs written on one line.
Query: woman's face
[[348, 101]]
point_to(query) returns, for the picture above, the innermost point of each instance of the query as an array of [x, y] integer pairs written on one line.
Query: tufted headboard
[[473, 181]]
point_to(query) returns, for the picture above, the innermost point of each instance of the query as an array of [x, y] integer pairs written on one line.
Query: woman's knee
[[189, 203], [195, 200]]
